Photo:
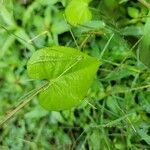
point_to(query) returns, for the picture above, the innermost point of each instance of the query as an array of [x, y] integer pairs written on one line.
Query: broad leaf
[[69, 71], [77, 12], [145, 44]]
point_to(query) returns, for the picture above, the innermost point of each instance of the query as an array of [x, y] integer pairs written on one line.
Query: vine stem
[[25, 100]]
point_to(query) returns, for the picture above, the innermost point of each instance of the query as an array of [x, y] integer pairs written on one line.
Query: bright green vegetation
[[78, 12], [69, 72], [91, 53]]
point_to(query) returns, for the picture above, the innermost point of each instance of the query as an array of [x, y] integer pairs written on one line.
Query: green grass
[[115, 114]]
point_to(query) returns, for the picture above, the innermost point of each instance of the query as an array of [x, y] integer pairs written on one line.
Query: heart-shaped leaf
[[69, 72], [77, 12]]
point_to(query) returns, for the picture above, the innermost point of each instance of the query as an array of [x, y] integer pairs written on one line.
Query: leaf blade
[[71, 79], [77, 12], [144, 52]]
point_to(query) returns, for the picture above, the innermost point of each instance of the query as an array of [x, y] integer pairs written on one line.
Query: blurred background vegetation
[[116, 112]]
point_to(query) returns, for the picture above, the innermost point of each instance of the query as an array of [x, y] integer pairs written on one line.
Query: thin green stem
[[25, 100], [106, 46], [72, 34]]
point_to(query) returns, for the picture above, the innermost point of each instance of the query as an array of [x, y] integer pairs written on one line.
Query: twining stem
[[25, 100]]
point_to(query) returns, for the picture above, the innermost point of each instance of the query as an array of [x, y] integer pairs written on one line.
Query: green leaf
[[144, 47], [69, 71], [23, 38], [110, 4], [7, 16], [87, 1], [132, 31], [133, 12], [60, 27], [77, 12], [144, 135]]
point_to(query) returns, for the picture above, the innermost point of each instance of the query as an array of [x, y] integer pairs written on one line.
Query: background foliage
[[116, 110]]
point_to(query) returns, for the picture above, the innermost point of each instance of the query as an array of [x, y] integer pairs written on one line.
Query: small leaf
[[69, 71], [110, 4], [7, 16], [132, 31], [133, 12], [60, 27], [77, 12], [144, 135], [144, 52]]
